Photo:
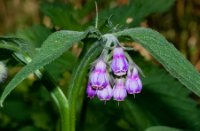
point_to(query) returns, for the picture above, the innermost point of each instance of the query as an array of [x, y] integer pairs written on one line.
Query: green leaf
[[66, 62], [137, 116], [61, 15], [167, 55], [162, 128], [160, 95], [16, 44], [136, 10], [35, 35], [55, 45], [64, 15]]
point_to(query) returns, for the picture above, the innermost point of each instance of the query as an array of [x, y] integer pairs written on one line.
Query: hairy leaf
[[53, 47], [167, 55]]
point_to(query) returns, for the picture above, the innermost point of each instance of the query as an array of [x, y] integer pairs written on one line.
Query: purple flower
[[90, 91], [133, 83], [119, 91], [119, 63], [98, 77], [105, 94]]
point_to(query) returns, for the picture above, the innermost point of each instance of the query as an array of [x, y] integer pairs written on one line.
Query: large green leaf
[[53, 47], [167, 55], [161, 104]]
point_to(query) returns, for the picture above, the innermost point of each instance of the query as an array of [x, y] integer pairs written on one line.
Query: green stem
[[63, 106], [57, 94], [58, 97]]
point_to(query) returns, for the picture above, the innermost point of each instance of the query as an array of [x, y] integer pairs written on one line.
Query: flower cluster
[[123, 75]]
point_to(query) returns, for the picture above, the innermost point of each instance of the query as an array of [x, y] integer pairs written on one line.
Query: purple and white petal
[[90, 91], [119, 91], [105, 94], [119, 63]]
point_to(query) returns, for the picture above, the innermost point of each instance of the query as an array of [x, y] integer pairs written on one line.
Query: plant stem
[[63, 106], [97, 15], [57, 94], [58, 97]]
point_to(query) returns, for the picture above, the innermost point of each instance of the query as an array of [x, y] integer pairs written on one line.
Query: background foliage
[[164, 103]]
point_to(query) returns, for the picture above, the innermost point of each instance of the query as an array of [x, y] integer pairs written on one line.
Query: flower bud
[[133, 83], [119, 91], [119, 63], [98, 77], [105, 94]]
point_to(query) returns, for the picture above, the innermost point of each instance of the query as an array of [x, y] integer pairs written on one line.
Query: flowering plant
[[63, 68]]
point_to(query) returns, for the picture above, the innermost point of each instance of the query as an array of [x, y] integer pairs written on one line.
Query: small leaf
[[55, 45], [167, 55]]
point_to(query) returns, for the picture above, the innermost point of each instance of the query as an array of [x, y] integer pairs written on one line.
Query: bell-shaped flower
[[133, 82], [105, 94], [119, 91], [90, 91], [98, 77], [119, 63]]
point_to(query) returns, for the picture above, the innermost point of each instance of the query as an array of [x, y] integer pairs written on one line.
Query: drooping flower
[[105, 94], [98, 77], [119, 63], [133, 82], [90, 91], [101, 82], [119, 90]]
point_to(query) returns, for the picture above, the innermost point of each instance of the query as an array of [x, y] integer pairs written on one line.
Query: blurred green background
[[163, 101]]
